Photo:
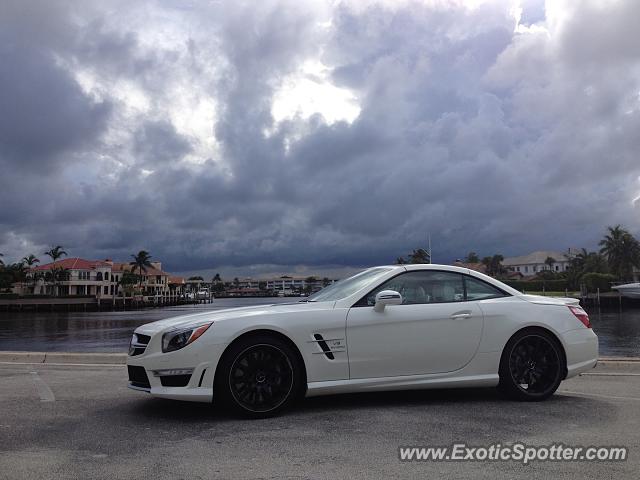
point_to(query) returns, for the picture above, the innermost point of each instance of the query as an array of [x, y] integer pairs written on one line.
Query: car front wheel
[[532, 366], [260, 377]]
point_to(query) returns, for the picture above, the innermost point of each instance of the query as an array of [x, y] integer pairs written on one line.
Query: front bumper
[[148, 372]]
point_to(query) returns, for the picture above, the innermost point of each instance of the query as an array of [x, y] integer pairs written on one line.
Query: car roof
[[409, 267], [434, 266]]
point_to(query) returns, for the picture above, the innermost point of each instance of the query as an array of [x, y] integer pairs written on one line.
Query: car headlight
[[177, 339]]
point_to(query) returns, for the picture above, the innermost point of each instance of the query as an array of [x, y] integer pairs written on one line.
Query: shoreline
[[118, 359]]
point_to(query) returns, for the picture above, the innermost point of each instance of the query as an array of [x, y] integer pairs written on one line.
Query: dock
[[92, 303]]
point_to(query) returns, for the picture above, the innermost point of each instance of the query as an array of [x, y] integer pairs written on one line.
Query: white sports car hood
[[195, 319]]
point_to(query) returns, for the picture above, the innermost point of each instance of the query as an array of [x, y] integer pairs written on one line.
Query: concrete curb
[[63, 357], [121, 358], [619, 359]]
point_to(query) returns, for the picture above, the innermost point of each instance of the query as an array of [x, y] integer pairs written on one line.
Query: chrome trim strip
[[169, 372]]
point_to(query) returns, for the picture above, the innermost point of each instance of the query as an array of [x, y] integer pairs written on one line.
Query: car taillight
[[580, 315]]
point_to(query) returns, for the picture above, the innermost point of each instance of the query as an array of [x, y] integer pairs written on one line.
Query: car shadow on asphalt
[[453, 399], [480, 397]]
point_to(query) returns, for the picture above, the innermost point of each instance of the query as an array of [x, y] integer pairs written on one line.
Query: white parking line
[[46, 395], [67, 364], [598, 395]]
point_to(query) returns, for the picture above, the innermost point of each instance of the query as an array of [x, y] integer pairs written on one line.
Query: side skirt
[[411, 382]]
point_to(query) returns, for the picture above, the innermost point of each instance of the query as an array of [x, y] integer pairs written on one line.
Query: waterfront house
[[287, 284], [68, 277], [154, 282], [529, 265], [101, 279]]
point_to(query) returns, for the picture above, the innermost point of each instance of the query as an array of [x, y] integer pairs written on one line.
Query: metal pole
[[620, 300]]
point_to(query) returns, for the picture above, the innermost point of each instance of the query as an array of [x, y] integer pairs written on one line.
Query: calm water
[[108, 331], [619, 332]]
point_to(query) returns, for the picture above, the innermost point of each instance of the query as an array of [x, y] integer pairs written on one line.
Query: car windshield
[[348, 286]]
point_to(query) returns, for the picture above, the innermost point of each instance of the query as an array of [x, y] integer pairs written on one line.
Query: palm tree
[[141, 261], [16, 273], [419, 255], [580, 258], [30, 261], [217, 283], [622, 251], [493, 264], [400, 261], [55, 253], [1, 262], [126, 281], [549, 261], [472, 257], [595, 263]]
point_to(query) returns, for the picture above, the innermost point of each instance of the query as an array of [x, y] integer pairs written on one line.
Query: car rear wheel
[[260, 377], [531, 367]]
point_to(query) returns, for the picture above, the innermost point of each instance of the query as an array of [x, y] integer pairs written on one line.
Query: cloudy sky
[[288, 135]]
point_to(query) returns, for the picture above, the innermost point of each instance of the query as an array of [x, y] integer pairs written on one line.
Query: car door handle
[[461, 315]]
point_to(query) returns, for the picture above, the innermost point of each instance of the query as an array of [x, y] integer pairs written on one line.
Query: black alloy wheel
[[261, 377], [532, 366]]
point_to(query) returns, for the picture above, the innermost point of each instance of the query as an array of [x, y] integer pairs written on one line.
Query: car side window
[[479, 290], [423, 286]]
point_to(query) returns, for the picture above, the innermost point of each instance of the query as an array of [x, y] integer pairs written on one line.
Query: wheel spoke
[[534, 364], [261, 378]]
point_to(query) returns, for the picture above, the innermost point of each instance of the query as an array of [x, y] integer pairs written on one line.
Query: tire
[[532, 366], [259, 376]]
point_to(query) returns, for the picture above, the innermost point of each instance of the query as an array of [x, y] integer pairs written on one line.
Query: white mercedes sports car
[[386, 328]]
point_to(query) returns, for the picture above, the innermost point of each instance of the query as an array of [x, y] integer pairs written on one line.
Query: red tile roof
[[77, 263], [73, 263]]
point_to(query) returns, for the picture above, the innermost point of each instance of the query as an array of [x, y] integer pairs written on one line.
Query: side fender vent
[[323, 345]]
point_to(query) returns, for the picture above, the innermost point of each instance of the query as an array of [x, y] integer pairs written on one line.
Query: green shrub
[[595, 281], [538, 285]]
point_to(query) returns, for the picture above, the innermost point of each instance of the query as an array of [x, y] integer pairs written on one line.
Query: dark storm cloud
[[150, 126], [158, 142], [44, 111]]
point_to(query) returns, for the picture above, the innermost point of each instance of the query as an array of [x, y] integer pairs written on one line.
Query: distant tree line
[[419, 255], [615, 260]]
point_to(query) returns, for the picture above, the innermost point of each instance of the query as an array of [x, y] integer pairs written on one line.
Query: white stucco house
[[529, 265]]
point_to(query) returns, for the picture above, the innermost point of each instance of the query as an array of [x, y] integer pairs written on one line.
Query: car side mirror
[[387, 297]]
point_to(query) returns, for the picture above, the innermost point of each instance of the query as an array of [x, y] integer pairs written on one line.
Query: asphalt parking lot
[[75, 421]]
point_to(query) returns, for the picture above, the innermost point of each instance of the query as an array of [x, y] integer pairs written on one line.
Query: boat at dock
[[629, 290]]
